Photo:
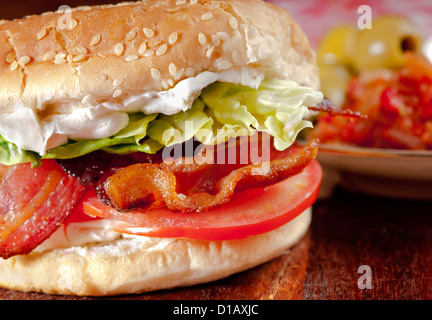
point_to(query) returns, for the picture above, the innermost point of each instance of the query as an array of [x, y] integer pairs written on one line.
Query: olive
[[383, 45], [338, 46]]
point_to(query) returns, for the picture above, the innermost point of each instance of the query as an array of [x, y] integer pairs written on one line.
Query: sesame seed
[[60, 56], [81, 49], [155, 73], [172, 69], [236, 57], [11, 57], [131, 35], [101, 77], [179, 2], [223, 36], [149, 53], [179, 74], [206, 16], [172, 9], [95, 40], [165, 84], [131, 58], [209, 51], [23, 60], [148, 32], [193, 1], [233, 22], [173, 38], [119, 49], [202, 38], [142, 48], [69, 58], [73, 24], [49, 55], [62, 61], [162, 49], [171, 82], [118, 81], [215, 40], [41, 34], [224, 65], [78, 58], [189, 72], [14, 65], [117, 93]]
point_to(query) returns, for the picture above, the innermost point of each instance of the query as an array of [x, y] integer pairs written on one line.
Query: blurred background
[[318, 16]]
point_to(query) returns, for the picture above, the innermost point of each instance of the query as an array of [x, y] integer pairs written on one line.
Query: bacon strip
[[34, 202], [152, 186], [327, 106]]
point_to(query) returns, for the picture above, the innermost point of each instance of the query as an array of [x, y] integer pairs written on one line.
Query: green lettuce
[[126, 140], [10, 154], [222, 111], [278, 107]]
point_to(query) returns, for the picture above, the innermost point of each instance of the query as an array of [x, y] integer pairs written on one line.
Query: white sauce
[[80, 233]]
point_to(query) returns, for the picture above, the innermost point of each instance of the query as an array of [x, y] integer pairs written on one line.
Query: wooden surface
[[392, 237]]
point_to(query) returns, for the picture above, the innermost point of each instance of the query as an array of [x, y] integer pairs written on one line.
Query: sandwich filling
[[206, 107], [165, 152]]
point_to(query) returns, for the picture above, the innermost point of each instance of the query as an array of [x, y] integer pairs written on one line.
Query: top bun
[[112, 51]]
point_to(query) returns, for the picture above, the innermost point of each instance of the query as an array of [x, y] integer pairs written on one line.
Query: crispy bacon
[[328, 107], [34, 202], [152, 186]]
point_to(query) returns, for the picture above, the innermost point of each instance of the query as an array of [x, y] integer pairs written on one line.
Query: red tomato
[[249, 212], [79, 215]]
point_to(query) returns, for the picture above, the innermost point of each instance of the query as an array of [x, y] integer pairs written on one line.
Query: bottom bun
[[134, 264]]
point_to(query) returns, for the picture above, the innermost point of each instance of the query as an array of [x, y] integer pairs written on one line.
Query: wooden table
[[392, 237]]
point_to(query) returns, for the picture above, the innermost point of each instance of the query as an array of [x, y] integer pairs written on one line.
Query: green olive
[[337, 47], [334, 82], [383, 45]]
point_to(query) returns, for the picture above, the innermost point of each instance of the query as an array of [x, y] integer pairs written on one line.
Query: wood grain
[[393, 237]]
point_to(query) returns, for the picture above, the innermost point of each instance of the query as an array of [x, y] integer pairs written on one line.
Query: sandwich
[[152, 145]]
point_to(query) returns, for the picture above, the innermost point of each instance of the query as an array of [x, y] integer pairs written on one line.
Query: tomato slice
[[252, 211]]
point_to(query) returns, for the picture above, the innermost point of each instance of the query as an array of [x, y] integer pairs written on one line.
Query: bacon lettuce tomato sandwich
[[151, 145]]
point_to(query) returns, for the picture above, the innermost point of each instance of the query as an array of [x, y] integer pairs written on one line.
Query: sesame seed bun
[[109, 52]]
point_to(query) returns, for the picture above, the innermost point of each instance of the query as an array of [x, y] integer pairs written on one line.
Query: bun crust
[[141, 264], [110, 52]]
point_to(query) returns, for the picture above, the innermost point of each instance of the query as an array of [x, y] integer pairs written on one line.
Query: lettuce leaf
[[126, 140], [225, 110], [222, 111], [10, 154], [278, 107]]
